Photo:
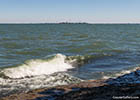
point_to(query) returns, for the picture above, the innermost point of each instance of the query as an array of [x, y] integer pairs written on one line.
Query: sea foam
[[10, 86], [121, 73]]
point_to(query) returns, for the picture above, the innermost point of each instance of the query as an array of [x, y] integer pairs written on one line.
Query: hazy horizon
[[73, 11], [70, 23]]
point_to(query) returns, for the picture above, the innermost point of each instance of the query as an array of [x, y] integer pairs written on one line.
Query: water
[[85, 51]]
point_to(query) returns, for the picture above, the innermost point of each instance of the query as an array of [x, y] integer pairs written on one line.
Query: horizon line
[[70, 22]]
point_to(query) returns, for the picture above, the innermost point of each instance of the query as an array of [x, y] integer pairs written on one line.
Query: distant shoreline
[[18, 23]]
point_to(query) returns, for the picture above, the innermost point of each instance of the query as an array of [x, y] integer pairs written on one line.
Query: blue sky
[[91, 11]]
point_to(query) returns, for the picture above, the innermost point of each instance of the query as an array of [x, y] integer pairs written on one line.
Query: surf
[[38, 67], [48, 65]]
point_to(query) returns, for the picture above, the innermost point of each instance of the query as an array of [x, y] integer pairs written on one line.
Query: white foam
[[121, 73], [130, 78], [39, 67], [8, 86]]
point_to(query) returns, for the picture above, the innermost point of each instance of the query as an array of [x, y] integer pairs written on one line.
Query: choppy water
[[86, 51]]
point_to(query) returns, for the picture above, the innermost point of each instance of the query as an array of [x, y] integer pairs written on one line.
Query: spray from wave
[[38, 67]]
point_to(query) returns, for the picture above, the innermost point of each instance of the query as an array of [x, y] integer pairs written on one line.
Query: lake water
[[78, 51]]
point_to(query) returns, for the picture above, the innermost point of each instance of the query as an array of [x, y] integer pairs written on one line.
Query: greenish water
[[114, 47]]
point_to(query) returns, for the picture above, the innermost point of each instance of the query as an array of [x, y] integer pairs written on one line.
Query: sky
[[54, 11]]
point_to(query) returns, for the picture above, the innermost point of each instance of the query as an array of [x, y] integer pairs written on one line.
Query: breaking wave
[[38, 67], [45, 66], [37, 73], [120, 73]]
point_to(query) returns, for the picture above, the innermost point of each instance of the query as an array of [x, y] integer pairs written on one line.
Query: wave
[[120, 73], [48, 65], [38, 67], [128, 77]]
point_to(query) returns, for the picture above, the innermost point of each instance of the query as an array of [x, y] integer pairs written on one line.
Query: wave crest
[[48, 65], [54, 64]]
